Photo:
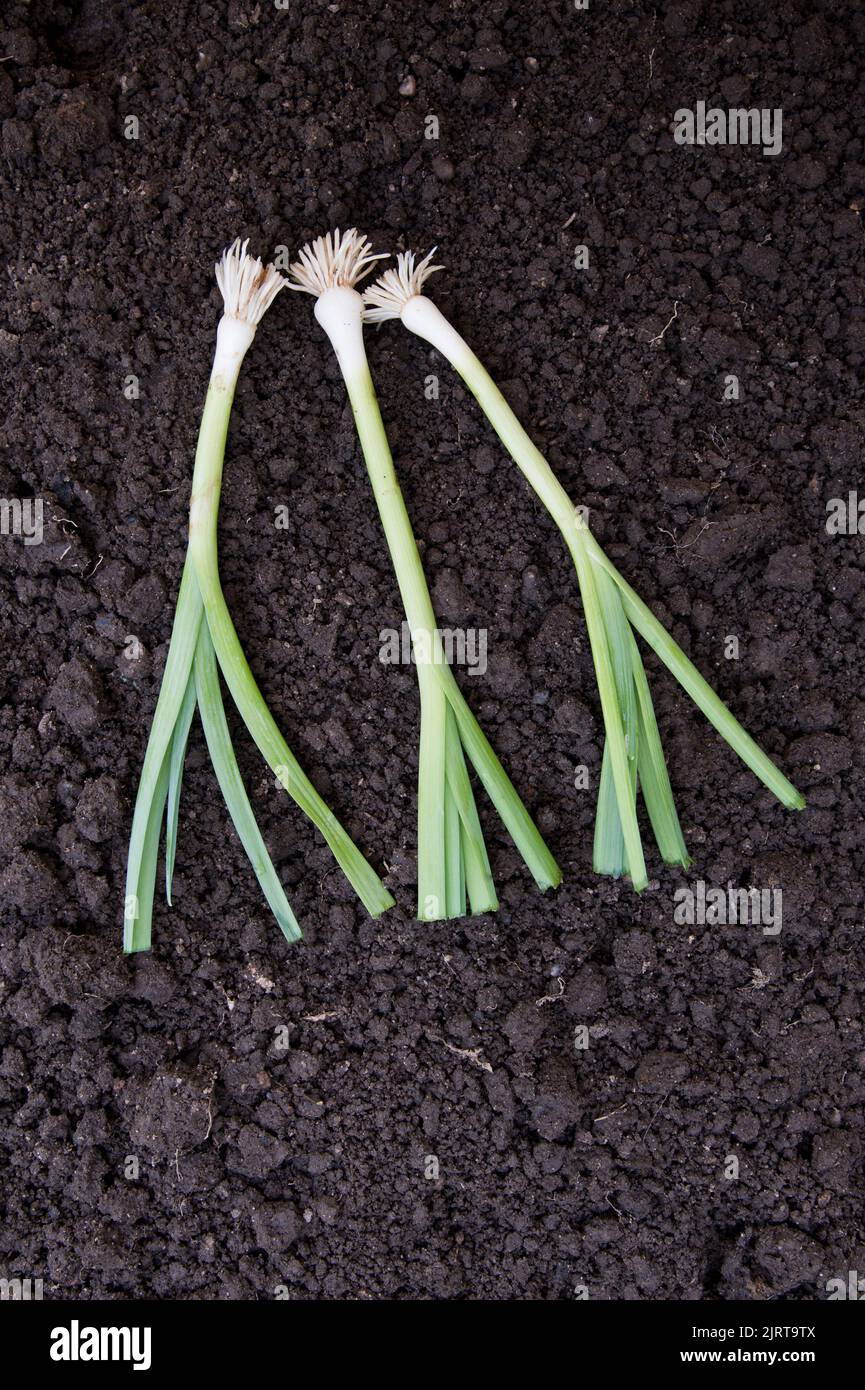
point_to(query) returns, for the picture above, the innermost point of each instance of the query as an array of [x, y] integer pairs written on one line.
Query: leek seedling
[[453, 866], [633, 755], [203, 634]]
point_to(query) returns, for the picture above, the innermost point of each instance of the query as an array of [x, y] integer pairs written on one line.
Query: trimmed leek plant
[[633, 756], [453, 866], [203, 635]]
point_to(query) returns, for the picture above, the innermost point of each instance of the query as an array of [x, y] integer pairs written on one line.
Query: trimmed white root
[[335, 261], [391, 292], [248, 287]]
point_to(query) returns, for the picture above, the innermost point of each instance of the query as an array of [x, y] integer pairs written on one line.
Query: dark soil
[[264, 1167]]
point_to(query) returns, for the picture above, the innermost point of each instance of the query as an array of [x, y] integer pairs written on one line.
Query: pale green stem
[[624, 779], [478, 878], [421, 316], [221, 751], [204, 506], [179, 741], [697, 687], [426, 643], [435, 671], [150, 799]]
